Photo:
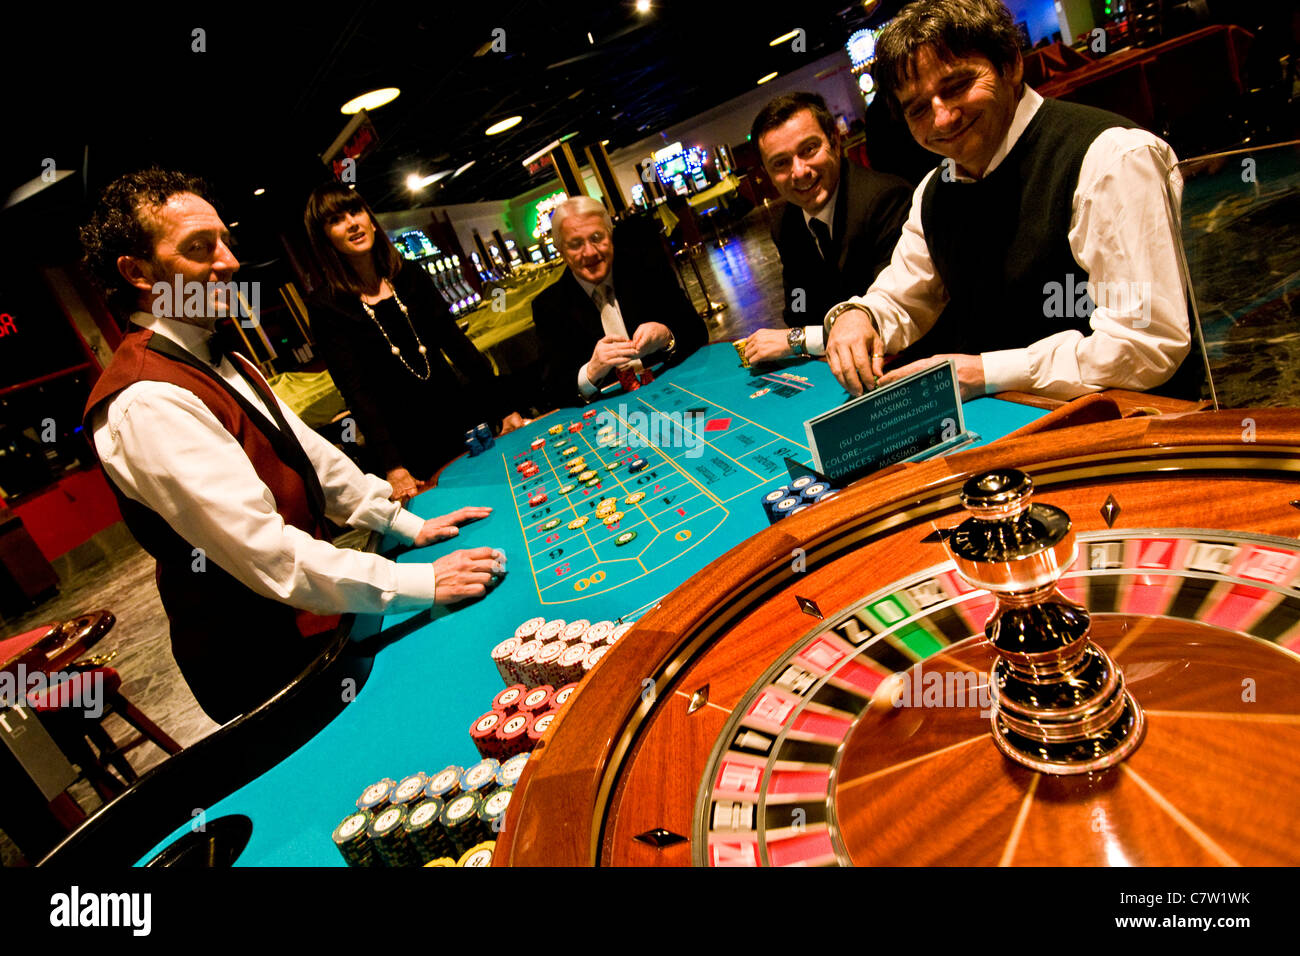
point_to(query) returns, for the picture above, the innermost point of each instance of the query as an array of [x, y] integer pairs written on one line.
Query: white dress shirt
[[812, 334], [162, 446], [611, 320], [1120, 234]]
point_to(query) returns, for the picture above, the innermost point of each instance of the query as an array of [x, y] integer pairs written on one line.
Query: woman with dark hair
[[413, 380]]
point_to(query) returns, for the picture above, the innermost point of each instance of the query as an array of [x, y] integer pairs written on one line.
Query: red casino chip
[[530, 471], [562, 695], [537, 700], [537, 443], [512, 735], [508, 699], [483, 733], [537, 498], [575, 427], [538, 726], [589, 413], [526, 463], [529, 627], [599, 632]]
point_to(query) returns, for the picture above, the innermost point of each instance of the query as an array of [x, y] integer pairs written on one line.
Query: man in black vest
[[1040, 255], [596, 319], [839, 226], [226, 487]]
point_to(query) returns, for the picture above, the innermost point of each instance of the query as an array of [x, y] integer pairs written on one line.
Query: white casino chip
[[352, 825], [478, 774], [445, 779], [387, 819], [496, 804], [423, 812]]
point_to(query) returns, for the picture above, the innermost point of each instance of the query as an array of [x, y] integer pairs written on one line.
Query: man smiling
[[839, 227], [1033, 196], [596, 319]]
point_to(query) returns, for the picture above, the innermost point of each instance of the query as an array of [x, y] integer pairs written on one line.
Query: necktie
[[215, 352], [823, 234]]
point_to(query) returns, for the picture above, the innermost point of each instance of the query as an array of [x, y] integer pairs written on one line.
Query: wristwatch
[[796, 340]]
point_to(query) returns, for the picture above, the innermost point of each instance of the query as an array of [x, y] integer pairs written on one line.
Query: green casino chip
[[592, 482], [625, 537], [553, 523], [565, 489]]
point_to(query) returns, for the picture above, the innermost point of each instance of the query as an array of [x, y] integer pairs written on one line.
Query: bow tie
[[215, 352]]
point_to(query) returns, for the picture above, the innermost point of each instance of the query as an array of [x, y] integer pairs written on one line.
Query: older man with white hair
[[595, 319]]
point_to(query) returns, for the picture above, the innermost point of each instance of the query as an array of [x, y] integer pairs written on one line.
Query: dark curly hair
[[953, 29], [119, 227]]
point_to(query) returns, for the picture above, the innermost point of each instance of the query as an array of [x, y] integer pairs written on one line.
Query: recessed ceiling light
[[505, 124], [463, 168], [642, 6], [232, 225], [604, 142], [770, 76], [783, 37], [369, 101], [258, 191]]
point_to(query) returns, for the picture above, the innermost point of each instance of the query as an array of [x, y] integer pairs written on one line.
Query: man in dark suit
[[596, 319], [839, 227]]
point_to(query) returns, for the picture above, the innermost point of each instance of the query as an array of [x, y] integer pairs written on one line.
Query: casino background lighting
[[259, 190], [770, 76], [509, 123], [463, 168], [642, 6], [783, 37], [370, 101]]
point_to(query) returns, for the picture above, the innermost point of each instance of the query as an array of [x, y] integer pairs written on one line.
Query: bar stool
[[62, 709]]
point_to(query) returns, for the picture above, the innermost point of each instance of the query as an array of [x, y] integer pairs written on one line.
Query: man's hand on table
[[445, 526], [855, 352], [610, 353], [512, 421], [404, 486], [467, 574], [767, 345], [970, 372], [651, 337]]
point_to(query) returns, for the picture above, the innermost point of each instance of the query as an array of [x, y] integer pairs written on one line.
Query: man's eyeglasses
[[576, 244]]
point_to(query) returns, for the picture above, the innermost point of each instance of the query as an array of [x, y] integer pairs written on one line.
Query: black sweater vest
[[1001, 244]]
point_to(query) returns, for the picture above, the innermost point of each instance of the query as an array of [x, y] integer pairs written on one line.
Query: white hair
[[578, 206]]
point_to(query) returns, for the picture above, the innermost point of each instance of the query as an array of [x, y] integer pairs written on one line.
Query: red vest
[[234, 647]]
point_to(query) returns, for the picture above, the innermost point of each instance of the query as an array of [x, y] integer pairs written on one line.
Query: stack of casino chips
[[479, 439], [519, 718], [553, 652], [801, 493], [451, 818]]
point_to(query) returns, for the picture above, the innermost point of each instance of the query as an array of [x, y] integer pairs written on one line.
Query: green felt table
[[725, 432]]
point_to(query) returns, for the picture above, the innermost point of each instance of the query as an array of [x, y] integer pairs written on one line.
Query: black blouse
[[407, 423]]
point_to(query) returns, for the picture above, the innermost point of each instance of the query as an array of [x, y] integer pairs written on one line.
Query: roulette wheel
[[828, 693]]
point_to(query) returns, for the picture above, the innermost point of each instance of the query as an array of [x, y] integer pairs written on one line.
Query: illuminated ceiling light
[[783, 37], [508, 123], [541, 152], [371, 100], [642, 6], [604, 142], [463, 168], [589, 39], [415, 182], [770, 76], [233, 224], [258, 191]]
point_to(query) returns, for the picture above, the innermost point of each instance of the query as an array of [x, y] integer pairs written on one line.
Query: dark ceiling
[[106, 92]]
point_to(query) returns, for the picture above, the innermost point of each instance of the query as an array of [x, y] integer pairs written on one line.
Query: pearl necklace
[[424, 352]]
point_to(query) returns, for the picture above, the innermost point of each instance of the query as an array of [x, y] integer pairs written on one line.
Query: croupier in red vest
[[224, 485]]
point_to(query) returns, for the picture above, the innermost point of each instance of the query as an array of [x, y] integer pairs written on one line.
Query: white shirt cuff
[[812, 340], [406, 525], [1006, 371], [584, 383], [415, 582]]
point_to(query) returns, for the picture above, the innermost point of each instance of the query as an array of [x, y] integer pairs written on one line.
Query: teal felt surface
[[725, 442]]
